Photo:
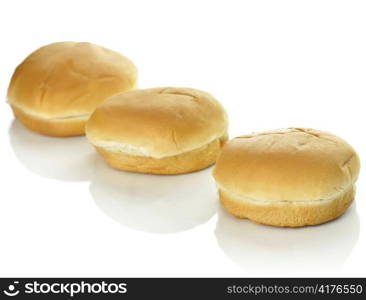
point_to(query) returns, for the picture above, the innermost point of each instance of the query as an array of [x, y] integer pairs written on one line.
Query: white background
[[272, 64]]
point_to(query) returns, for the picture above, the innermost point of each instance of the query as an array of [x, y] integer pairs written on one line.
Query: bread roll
[[290, 177], [159, 130], [56, 88]]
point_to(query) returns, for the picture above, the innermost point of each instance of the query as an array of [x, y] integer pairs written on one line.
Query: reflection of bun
[[159, 130], [290, 177], [56, 88]]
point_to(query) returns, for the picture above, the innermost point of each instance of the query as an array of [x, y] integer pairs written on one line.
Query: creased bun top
[[68, 79], [157, 122], [293, 164]]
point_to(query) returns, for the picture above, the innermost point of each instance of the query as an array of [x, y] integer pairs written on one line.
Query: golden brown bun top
[[68, 79], [292, 164], [157, 122]]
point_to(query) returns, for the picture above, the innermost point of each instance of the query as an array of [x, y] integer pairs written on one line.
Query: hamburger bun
[[159, 130], [288, 177], [56, 88]]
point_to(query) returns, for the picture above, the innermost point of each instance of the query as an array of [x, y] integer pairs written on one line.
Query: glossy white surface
[[273, 64]]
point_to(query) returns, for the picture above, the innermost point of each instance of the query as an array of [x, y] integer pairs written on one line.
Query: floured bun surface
[[289, 177], [159, 130], [56, 88]]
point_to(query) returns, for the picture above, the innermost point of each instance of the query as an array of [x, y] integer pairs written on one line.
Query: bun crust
[[289, 177], [55, 128], [287, 214], [159, 130], [178, 164], [63, 82]]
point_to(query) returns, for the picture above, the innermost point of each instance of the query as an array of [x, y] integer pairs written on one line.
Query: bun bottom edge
[[289, 215], [54, 128], [186, 162]]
